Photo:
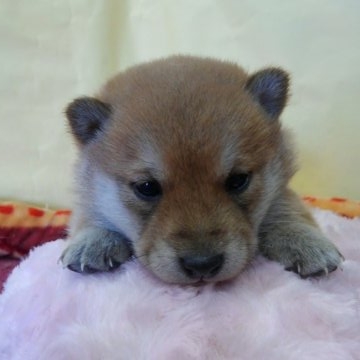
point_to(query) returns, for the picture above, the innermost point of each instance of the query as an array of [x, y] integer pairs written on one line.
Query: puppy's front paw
[[304, 251], [320, 258], [96, 250]]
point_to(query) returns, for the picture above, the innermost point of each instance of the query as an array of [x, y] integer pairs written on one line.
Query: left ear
[[269, 87], [87, 117]]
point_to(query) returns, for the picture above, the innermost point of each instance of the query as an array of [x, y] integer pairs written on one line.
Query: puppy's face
[[184, 156]]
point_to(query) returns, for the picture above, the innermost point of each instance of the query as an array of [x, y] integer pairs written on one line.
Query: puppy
[[183, 163]]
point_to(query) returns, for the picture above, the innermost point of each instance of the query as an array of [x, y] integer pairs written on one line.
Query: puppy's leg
[[290, 236], [95, 249]]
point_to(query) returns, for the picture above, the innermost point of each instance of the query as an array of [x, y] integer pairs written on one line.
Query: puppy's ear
[[269, 87], [87, 117]]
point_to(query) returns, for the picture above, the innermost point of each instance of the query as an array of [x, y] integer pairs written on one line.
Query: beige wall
[[54, 50]]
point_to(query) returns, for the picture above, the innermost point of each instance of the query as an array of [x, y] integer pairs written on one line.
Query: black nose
[[202, 266]]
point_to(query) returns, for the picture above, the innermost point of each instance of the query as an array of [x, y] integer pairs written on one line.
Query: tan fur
[[188, 123]]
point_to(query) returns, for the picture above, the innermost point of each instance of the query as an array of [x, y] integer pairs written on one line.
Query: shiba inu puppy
[[183, 164]]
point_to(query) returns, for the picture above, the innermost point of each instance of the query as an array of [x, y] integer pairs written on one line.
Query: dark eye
[[147, 190], [237, 183]]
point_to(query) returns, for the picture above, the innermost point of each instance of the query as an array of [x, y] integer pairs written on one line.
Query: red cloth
[[22, 227], [6, 266]]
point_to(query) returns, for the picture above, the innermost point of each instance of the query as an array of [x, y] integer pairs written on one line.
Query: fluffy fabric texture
[[48, 312]]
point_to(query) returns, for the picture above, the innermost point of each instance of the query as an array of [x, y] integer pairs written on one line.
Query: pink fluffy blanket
[[47, 312]]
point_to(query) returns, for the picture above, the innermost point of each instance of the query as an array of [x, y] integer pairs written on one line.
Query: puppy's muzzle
[[202, 267]]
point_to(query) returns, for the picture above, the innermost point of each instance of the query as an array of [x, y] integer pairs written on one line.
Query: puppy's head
[[184, 156]]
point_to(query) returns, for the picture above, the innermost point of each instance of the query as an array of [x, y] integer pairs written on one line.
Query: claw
[[61, 258], [82, 267], [326, 271], [111, 263], [298, 268]]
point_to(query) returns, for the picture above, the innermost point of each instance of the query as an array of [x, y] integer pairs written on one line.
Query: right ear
[[87, 117], [269, 88]]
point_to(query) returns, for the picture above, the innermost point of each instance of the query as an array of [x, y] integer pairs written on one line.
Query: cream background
[[54, 50]]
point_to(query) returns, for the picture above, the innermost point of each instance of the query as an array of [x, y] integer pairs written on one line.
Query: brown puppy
[[183, 163]]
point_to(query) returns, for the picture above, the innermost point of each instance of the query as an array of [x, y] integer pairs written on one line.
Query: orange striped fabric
[[341, 206], [22, 214]]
